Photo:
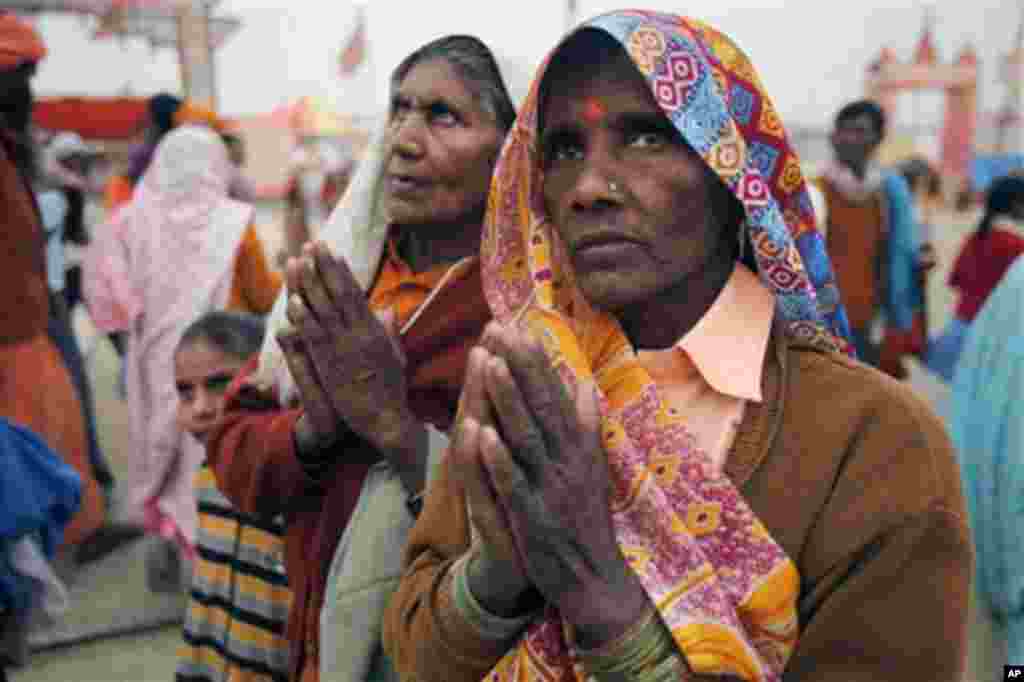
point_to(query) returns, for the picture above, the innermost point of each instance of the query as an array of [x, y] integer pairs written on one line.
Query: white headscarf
[[357, 231], [166, 258]]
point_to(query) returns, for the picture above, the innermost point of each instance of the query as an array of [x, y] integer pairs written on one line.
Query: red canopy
[[94, 118]]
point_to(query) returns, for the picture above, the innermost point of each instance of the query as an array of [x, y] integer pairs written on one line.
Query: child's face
[[202, 374]]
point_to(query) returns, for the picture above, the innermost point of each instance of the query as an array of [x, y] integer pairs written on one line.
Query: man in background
[[873, 242]]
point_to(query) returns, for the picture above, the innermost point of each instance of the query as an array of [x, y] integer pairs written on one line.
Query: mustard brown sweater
[[855, 478]]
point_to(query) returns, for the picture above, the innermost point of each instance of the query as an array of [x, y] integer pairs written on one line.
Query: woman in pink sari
[[168, 257]]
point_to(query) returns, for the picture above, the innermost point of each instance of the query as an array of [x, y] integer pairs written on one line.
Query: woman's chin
[[202, 434], [402, 212]]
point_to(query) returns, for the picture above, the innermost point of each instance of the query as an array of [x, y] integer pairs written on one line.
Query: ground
[[150, 656]]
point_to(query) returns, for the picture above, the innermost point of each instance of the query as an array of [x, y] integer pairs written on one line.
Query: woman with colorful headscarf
[[175, 251], [663, 468]]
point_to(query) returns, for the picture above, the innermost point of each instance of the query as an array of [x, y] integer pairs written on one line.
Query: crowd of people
[[595, 387]]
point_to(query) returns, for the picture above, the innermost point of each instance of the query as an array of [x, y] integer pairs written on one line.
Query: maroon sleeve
[[252, 452], [1010, 246]]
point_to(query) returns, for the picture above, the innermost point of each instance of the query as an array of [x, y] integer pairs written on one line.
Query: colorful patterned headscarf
[[720, 582]]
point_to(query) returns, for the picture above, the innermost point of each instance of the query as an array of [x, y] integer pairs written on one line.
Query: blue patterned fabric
[[706, 86]]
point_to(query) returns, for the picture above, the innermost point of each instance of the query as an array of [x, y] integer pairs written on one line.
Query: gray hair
[[476, 66]]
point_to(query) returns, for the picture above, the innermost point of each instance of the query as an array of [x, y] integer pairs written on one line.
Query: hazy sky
[[811, 53]]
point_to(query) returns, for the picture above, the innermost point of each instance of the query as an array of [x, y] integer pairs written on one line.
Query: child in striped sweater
[[239, 601]]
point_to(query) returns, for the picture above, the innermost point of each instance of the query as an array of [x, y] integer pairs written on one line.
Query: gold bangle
[[645, 653]]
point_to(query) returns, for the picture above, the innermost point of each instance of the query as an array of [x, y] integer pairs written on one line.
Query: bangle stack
[[644, 653], [487, 625]]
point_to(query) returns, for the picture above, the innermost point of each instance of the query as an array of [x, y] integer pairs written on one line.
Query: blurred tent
[[315, 117], [153, 20], [277, 141], [188, 26], [94, 118]]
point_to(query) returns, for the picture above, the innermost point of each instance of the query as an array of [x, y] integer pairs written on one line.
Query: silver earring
[[742, 242], [613, 188]]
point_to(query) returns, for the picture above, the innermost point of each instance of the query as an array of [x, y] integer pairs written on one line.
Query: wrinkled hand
[[551, 479], [356, 359], [496, 576], [319, 426]]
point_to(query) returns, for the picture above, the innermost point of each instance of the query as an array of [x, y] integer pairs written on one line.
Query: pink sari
[[165, 259]]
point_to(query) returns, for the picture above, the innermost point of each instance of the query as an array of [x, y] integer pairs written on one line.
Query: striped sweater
[[234, 628]]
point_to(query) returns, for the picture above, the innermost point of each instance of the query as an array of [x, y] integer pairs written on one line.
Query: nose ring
[[409, 148]]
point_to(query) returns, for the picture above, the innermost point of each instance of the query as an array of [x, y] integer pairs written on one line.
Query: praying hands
[[348, 365], [538, 488]]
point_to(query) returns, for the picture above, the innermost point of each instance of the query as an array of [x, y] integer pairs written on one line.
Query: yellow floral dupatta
[[720, 582]]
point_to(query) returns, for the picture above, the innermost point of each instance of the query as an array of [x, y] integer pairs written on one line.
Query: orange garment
[[117, 193], [252, 452], [403, 291], [19, 42], [36, 392], [854, 240], [255, 285], [196, 114], [24, 297], [710, 374], [35, 388]]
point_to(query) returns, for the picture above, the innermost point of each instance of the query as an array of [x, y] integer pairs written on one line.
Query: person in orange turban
[[19, 42], [36, 391]]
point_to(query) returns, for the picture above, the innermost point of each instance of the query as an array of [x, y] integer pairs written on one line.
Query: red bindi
[[593, 111]]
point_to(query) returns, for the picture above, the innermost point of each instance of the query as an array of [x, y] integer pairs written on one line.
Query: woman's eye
[[569, 153], [219, 384], [185, 395], [564, 150], [649, 139], [442, 115]]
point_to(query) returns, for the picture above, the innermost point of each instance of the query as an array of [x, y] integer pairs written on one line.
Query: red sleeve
[[1009, 246], [252, 453]]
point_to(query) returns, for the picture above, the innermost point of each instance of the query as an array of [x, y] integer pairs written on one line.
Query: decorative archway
[[888, 78]]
